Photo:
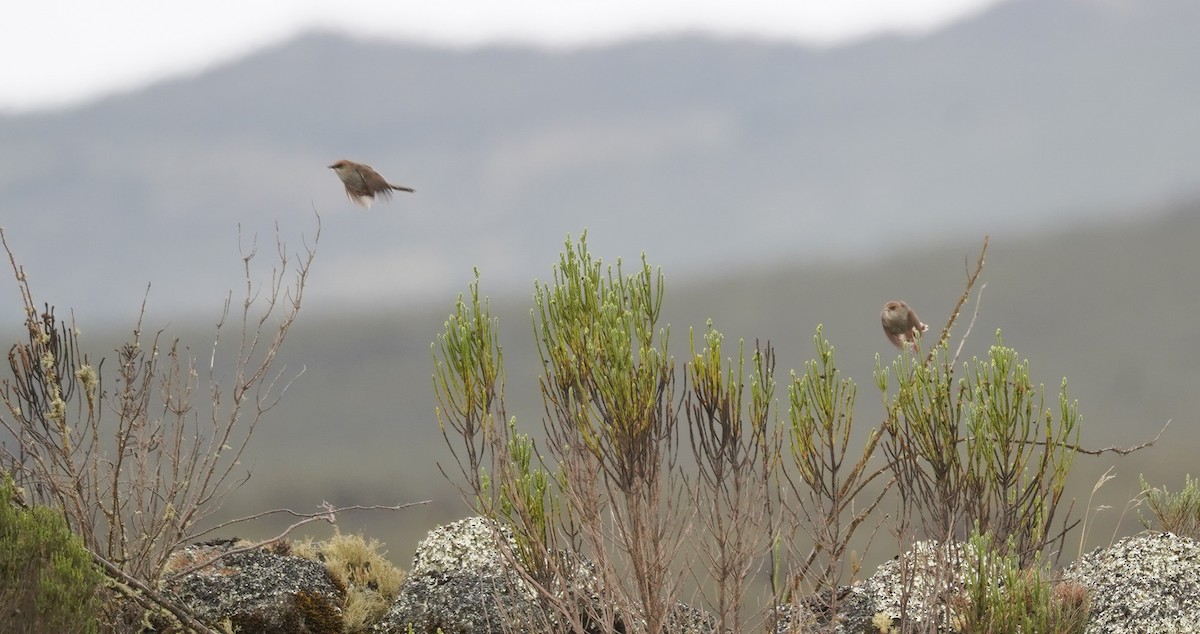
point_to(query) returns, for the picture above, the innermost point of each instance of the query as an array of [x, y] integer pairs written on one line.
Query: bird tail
[[401, 188]]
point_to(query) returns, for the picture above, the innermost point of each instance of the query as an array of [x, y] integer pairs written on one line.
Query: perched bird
[[901, 324], [362, 183]]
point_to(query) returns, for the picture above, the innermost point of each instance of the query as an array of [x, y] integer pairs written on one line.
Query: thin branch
[[1118, 450], [148, 598], [305, 515], [966, 335], [971, 277], [328, 513]]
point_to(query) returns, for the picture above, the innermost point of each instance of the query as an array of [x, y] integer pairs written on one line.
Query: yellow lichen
[[358, 565], [882, 622]]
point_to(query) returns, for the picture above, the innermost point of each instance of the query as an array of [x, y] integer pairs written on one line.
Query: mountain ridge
[[709, 153]]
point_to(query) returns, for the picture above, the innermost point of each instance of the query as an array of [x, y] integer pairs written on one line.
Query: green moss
[[47, 579]]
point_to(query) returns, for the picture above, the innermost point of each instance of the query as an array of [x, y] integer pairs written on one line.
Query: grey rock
[[259, 591], [913, 588], [1145, 583], [459, 584]]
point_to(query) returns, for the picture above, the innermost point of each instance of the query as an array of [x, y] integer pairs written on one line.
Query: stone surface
[[259, 591], [1145, 583], [459, 584], [914, 585]]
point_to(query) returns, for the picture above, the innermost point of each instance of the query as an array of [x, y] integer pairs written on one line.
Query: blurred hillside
[[709, 154], [1101, 307]]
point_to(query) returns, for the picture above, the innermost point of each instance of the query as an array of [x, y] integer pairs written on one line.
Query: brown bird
[[362, 183], [901, 324]]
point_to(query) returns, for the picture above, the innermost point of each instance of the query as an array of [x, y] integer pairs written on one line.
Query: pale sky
[[62, 52]]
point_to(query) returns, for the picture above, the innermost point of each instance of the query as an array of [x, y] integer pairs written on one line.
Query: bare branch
[[1121, 451], [328, 514], [971, 326], [971, 277]]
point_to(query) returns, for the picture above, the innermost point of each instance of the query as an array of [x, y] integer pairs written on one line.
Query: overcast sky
[[59, 52]]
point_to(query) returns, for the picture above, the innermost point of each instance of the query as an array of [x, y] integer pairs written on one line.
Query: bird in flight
[[363, 183], [901, 324]]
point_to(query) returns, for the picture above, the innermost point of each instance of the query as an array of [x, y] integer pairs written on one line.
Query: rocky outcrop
[[460, 583], [1145, 583], [258, 590]]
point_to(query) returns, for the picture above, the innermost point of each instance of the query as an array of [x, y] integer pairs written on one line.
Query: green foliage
[[965, 445], [718, 390], [469, 381], [1177, 513], [1002, 596], [736, 452], [821, 417], [610, 427], [499, 463], [609, 378], [608, 391], [47, 580], [526, 500], [979, 448]]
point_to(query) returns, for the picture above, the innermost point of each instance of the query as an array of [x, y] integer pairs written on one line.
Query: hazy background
[[780, 185]]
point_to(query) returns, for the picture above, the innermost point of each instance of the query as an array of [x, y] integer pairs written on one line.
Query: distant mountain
[[708, 154]]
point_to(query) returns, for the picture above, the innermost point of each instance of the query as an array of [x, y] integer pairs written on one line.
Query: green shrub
[[979, 445], [962, 443], [835, 499], [611, 428], [1004, 597], [1177, 513], [47, 579]]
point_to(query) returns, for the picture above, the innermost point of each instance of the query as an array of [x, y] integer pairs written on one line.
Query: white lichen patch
[[1145, 583], [468, 544], [920, 582]]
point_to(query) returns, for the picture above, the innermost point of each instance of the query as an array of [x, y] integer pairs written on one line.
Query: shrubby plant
[[981, 449], [737, 454], [832, 491], [1002, 595], [612, 417], [132, 455], [501, 473], [48, 582], [611, 427], [1178, 512], [959, 444]]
